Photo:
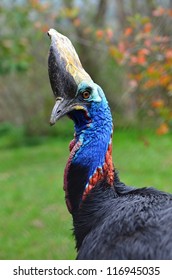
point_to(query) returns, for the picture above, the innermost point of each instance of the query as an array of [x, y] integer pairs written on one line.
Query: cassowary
[[110, 220]]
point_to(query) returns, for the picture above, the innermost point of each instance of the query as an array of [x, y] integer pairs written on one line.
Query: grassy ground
[[34, 221]]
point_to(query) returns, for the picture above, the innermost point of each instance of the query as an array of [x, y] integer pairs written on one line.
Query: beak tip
[[51, 123]]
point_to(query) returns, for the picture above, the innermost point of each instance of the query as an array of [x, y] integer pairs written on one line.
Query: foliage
[[18, 25], [136, 72], [146, 51], [23, 54], [12, 136]]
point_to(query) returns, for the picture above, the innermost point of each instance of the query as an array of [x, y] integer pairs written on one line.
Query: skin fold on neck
[[91, 152]]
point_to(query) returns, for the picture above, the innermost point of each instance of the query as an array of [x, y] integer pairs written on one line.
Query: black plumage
[[111, 220], [124, 223]]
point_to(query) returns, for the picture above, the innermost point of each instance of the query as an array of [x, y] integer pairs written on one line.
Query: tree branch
[[101, 12]]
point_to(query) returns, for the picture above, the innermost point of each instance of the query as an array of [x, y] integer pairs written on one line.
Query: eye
[[86, 94]]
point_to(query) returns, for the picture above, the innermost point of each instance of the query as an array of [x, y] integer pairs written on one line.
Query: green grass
[[144, 159], [34, 221]]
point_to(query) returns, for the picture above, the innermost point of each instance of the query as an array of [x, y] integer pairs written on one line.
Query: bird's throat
[[80, 178], [105, 172], [90, 157]]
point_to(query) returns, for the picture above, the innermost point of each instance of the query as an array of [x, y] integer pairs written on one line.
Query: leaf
[[109, 34], [143, 51], [169, 88], [161, 39], [148, 27], [163, 129], [148, 43], [133, 84], [150, 84], [133, 59], [77, 22], [169, 12], [165, 79], [121, 47], [168, 53], [141, 59], [159, 103], [7, 43], [99, 34], [128, 31], [115, 53], [154, 71], [158, 12], [44, 28]]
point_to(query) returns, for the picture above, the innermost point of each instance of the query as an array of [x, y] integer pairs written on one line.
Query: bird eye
[[86, 94]]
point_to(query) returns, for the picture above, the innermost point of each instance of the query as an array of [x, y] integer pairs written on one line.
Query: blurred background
[[126, 47]]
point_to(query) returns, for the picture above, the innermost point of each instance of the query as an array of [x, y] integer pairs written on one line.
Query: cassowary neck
[[90, 157]]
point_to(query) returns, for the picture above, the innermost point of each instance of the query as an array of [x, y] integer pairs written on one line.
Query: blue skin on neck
[[93, 131]]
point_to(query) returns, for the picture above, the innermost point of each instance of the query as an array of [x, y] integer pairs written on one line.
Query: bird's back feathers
[[124, 223]]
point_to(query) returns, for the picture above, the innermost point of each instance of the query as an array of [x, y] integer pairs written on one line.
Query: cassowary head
[[73, 88]]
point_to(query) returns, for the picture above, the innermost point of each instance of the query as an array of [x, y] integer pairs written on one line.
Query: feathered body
[[124, 224], [111, 220]]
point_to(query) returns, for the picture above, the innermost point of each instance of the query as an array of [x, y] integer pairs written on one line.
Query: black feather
[[124, 223]]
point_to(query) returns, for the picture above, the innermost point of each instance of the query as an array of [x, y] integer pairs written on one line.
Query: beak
[[65, 73], [62, 107], [57, 110]]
